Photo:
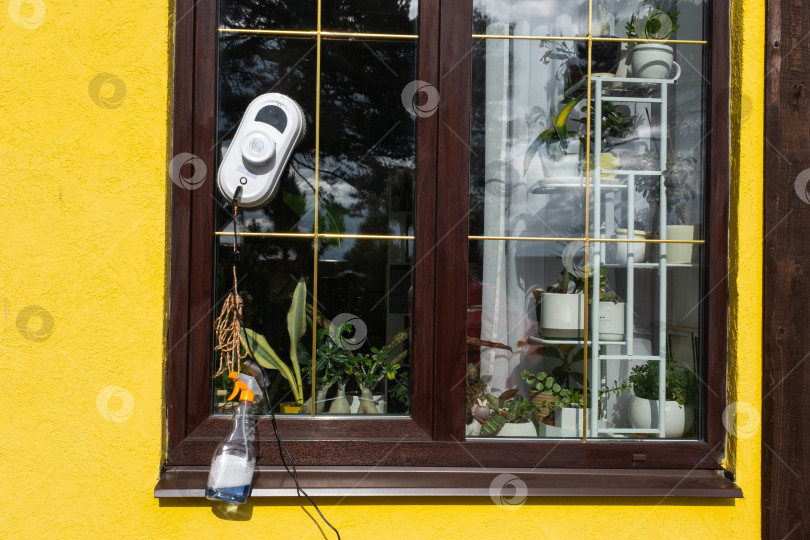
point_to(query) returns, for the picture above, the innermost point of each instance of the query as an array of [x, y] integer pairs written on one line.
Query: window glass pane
[[368, 138], [350, 272], [249, 66], [371, 16], [366, 283], [535, 190], [269, 270], [547, 318], [269, 14]]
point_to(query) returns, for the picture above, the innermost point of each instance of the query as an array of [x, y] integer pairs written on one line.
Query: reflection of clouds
[[341, 192], [545, 16], [556, 214], [413, 10], [558, 17], [338, 250]]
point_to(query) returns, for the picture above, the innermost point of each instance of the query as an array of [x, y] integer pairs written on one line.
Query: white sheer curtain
[[516, 82]]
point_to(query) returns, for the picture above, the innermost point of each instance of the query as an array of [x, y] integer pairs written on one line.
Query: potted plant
[[605, 55], [681, 395], [568, 403], [568, 407], [570, 70], [618, 128], [544, 387], [369, 370], [510, 415], [476, 390], [611, 311], [332, 361], [637, 250], [561, 312], [679, 192], [558, 147], [652, 60], [542, 394]]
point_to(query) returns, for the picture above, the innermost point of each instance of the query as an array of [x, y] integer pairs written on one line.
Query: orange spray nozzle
[[245, 385]]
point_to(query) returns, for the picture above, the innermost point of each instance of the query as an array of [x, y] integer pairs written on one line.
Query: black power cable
[[265, 377]]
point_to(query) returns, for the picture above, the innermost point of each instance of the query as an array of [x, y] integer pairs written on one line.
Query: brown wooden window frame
[[433, 438]]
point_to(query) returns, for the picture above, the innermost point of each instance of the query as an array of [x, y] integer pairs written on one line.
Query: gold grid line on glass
[[581, 239], [587, 239], [596, 38], [347, 236], [313, 33], [313, 365]]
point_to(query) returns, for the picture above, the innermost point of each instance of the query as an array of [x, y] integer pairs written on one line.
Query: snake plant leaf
[[560, 123], [557, 132], [533, 148], [515, 409], [493, 425], [297, 327], [264, 354]]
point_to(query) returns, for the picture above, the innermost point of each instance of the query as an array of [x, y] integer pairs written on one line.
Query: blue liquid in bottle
[[236, 495]]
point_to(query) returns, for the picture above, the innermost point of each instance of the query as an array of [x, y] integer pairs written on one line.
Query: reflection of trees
[[271, 14], [365, 130], [367, 142]]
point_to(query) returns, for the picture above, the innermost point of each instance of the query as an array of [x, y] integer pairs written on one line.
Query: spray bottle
[[232, 467]]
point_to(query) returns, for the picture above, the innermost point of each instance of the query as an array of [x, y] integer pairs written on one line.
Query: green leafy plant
[[369, 370], [399, 390], [558, 134], [257, 345], [563, 285], [677, 185], [332, 362], [655, 23], [681, 384], [569, 397], [617, 128], [476, 387], [606, 293], [509, 407], [542, 382], [570, 72]]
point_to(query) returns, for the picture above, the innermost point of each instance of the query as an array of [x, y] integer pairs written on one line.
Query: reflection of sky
[[556, 17]]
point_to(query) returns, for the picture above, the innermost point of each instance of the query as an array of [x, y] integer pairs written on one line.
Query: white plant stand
[[603, 185]]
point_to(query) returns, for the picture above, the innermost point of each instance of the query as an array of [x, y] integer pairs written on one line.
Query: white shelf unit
[[650, 91]]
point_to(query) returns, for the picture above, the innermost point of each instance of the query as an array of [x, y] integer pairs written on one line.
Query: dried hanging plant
[[228, 326], [228, 330]]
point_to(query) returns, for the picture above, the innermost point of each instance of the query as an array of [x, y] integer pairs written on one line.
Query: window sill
[[454, 482]]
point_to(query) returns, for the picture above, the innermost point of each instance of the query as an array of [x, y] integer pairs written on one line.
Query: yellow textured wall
[[83, 107]]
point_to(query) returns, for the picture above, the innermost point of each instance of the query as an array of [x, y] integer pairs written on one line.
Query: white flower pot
[[644, 415], [557, 164], [525, 429], [611, 321], [681, 253], [561, 315], [568, 418], [637, 251], [652, 60]]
